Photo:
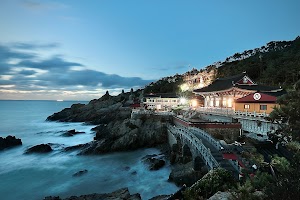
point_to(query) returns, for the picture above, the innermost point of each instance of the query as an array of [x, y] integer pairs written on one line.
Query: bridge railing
[[197, 143], [207, 137]]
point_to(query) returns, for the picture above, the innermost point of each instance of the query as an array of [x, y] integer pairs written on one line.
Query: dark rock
[[121, 194], [161, 197], [157, 164], [76, 147], [41, 148], [154, 162], [71, 133], [127, 168], [185, 174], [115, 130], [134, 173], [119, 135], [52, 198], [9, 141], [173, 158], [98, 111], [80, 173]]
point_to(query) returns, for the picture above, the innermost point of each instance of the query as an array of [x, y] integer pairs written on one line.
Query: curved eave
[[227, 90], [273, 102]]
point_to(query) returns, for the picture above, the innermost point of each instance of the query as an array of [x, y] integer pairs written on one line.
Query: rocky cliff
[[98, 111], [115, 130], [116, 195], [124, 135]]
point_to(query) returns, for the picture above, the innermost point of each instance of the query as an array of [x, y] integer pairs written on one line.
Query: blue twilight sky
[[76, 49]]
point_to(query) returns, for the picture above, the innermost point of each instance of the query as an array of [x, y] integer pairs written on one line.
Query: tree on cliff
[[216, 180], [288, 114], [277, 63]]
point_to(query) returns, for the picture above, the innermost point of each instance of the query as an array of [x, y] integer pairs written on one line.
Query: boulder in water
[[41, 148], [154, 162], [80, 173], [9, 141], [118, 194], [72, 133]]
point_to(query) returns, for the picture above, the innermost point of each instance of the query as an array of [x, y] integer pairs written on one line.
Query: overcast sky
[[78, 49]]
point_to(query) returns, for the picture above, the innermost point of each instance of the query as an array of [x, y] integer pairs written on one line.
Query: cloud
[[92, 78], [42, 5], [31, 73], [27, 72], [32, 46], [54, 62], [7, 52], [176, 66]]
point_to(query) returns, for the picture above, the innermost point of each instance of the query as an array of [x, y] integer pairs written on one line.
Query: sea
[[35, 176]]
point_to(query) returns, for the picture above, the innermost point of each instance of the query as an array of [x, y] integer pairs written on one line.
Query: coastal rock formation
[[116, 195], [71, 133], [154, 162], [185, 174], [41, 148], [161, 197], [124, 135], [97, 111], [115, 130], [80, 173], [9, 141]]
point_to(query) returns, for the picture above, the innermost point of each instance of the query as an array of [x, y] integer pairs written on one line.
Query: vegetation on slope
[[277, 63], [288, 115], [165, 85]]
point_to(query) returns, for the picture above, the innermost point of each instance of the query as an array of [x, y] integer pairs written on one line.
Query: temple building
[[240, 93]]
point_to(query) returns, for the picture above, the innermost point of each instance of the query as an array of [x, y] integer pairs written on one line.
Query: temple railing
[[231, 112]]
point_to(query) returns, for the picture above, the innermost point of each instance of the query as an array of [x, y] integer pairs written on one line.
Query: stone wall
[[228, 134], [216, 118], [171, 139]]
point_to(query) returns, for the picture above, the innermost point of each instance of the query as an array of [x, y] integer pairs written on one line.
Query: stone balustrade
[[207, 137], [231, 112], [195, 144]]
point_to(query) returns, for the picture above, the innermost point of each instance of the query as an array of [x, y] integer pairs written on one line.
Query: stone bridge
[[195, 145], [204, 148]]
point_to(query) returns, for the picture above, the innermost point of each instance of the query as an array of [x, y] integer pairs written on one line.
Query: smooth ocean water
[[35, 176]]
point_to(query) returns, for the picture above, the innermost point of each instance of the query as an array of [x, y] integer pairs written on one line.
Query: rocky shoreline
[[116, 131], [122, 193], [9, 142]]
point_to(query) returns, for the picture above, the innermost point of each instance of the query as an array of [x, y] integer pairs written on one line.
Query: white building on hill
[[163, 101]]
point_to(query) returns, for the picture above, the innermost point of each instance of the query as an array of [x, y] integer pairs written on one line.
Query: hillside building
[[163, 101]]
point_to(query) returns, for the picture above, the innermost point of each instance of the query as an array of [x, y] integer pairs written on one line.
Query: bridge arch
[[197, 148]]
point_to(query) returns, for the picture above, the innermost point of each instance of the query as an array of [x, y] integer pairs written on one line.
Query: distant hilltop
[[277, 63]]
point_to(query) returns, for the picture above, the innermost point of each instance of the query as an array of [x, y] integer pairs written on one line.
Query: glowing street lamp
[[184, 87], [183, 100], [194, 103]]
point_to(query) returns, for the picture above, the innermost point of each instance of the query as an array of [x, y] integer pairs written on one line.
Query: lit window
[[217, 102], [229, 103], [211, 103], [224, 102], [247, 106], [263, 107]]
